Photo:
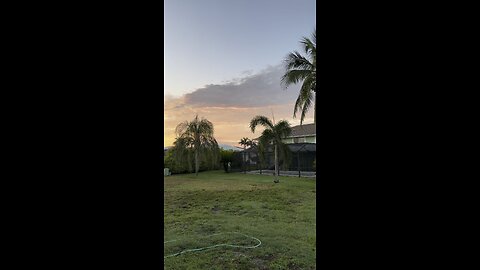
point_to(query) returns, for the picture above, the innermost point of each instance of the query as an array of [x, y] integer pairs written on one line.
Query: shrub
[[175, 167], [187, 164], [226, 156]]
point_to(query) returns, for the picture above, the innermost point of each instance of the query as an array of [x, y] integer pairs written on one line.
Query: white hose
[[214, 246]]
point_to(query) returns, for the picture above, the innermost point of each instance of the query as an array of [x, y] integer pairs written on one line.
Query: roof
[[301, 130], [304, 130]]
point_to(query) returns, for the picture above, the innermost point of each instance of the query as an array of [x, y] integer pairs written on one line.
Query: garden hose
[[214, 246]]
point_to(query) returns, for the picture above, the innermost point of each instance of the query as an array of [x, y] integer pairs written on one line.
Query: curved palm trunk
[[276, 166]]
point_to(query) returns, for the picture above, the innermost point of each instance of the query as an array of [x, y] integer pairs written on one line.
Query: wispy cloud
[[257, 90]]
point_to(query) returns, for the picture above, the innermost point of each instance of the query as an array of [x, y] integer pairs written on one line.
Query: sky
[[224, 60]]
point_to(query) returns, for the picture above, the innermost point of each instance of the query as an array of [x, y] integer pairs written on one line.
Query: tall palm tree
[[273, 134], [299, 68], [197, 136], [244, 142]]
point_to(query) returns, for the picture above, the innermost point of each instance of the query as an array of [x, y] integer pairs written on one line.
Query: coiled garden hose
[[214, 246]]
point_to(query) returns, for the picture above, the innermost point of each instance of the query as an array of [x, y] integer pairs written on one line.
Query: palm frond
[[297, 69], [181, 128], [260, 120], [294, 76], [268, 135], [306, 107], [266, 139], [309, 46], [305, 94], [244, 141], [283, 129], [296, 61]]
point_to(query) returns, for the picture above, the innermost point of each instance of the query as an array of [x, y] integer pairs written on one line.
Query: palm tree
[[299, 68], [251, 143], [197, 136], [244, 142], [273, 134]]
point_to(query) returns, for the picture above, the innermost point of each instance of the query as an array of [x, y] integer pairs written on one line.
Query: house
[[302, 134], [301, 143]]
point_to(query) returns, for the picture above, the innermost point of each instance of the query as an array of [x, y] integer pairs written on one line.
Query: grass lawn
[[282, 216]]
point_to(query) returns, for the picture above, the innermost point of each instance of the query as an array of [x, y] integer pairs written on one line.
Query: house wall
[[311, 139], [307, 139]]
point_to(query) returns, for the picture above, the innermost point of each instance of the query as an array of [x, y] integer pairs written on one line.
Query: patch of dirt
[[185, 205], [263, 262], [292, 265], [260, 264], [239, 255], [215, 209]]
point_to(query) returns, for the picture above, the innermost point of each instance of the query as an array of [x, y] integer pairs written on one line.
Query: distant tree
[[273, 134], [261, 156], [251, 143], [303, 69], [244, 142], [196, 137], [226, 156], [247, 142]]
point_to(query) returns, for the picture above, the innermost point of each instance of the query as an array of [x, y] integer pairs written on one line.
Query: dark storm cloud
[[262, 89]]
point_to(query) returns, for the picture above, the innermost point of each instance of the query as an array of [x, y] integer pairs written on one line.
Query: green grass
[[281, 215]]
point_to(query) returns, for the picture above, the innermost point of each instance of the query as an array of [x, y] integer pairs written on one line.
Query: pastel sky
[[223, 61]]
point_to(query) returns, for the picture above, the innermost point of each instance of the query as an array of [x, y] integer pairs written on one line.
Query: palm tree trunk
[[276, 166]]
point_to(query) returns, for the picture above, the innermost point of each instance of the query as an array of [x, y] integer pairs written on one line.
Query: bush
[[226, 156], [175, 167], [188, 165]]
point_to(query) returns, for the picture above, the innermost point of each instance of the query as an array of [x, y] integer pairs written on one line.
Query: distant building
[[301, 143], [302, 134]]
